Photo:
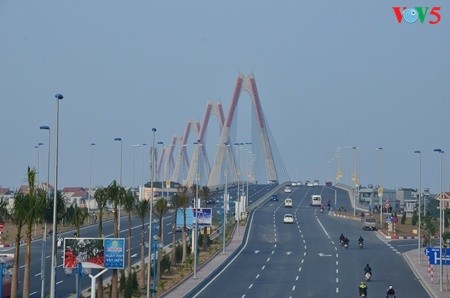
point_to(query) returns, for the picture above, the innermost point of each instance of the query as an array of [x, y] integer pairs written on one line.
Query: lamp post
[[90, 179], [225, 198], [441, 153], [141, 193], [152, 156], [380, 188], [37, 160], [197, 209], [44, 237], [134, 163], [120, 180], [161, 177], [419, 197], [58, 97]]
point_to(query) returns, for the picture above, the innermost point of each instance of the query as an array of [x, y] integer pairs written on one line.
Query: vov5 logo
[[411, 15]]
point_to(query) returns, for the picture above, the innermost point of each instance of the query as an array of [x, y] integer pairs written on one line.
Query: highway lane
[[306, 259]]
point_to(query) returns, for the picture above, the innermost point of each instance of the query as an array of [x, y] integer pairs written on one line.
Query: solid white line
[[323, 228]]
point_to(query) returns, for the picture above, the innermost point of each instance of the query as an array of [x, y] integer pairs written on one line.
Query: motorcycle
[[321, 210], [361, 244], [59, 242], [367, 276], [345, 245]]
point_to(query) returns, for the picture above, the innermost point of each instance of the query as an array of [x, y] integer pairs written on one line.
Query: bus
[[6, 263], [316, 200]]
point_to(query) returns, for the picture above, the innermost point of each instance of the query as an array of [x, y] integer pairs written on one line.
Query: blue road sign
[[434, 255]]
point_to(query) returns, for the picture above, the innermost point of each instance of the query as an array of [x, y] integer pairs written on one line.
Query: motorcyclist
[[341, 238], [361, 240], [367, 269], [390, 292], [345, 241], [362, 289]]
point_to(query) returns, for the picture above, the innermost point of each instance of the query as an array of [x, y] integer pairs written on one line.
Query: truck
[[369, 223]]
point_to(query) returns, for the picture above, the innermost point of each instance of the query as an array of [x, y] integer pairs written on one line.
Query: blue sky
[[328, 74]]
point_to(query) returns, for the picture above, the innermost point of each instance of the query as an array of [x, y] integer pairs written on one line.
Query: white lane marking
[[251, 285], [268, 259], [37, 274], [33, 293], [337, 290], [337, 255], [263, 267], [257, 276], [337, 271], [304, 254], [337, 279], [299, 269], [272, 252], [296, 278], [293, 288], [243, 296], [60, 282], [323, 228], [302, 261], [337, 263]]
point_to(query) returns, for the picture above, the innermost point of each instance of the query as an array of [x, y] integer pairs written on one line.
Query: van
[[316, 200]]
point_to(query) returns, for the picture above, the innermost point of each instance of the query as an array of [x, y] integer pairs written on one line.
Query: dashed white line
[[293, 288], [337, 263], [272, 252], [302, 261], [251, 285], [268, 259], [299, 269], [304, 254], [337, 279], [337, 290], [296, 278], [257, 276]]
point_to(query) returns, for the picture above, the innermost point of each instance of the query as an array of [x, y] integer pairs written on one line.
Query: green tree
[[142, 211], [175, 206], [116, 195], [101, 197], [18, 218], [205, 198], [160, 210], [35, 202], [183, 204], [128, 205]]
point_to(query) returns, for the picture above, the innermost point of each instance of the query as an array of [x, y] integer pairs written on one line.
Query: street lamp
[[44, 237], [152, 156], [419, 197], [134, 163], [37, 160], [380, 188], [141, 193], [441, 153], [120, 179], [58, 97], [197, 209], [90, 179]]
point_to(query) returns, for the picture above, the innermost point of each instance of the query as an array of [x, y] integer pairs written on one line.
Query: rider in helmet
[[342, 237], [390, 292], [368, 269], [361, 240], [362, 289]]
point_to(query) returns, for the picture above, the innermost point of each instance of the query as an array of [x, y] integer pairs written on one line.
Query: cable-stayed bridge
[[258, 160]]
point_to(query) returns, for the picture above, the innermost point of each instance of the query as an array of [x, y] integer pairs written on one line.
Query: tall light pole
[[120, 179], [134, 163], [152, 156], [197, 207], [37, 161], [90, 179], [141, 193], [419, 197], [161, 177], [380, 188], [58, 97], [441, 190], [225, 196], [44, 237]]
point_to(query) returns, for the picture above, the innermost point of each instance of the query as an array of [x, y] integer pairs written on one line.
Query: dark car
[[274, 198]]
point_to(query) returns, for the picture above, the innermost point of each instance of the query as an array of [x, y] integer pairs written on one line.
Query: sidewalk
[[421, 272], [206, 269]]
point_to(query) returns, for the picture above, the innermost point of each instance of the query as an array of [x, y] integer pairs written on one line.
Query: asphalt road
[[305, 259]]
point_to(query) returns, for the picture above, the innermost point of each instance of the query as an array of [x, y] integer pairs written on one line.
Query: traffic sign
[[434, 256]]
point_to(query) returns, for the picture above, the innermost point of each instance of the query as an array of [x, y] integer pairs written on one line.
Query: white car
[[287, 189], [288, 203], [288, 218]]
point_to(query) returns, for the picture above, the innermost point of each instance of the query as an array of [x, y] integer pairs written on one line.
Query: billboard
[[204, 217], [96, 253]]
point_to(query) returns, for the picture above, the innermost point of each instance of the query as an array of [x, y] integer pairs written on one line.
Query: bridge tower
[[223, 152]]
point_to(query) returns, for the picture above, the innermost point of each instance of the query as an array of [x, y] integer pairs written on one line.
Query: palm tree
[[116, 194], [160, 210], [18, 217], [183, 203], [101, 197], [205, 197], [77, 217], [175, 206], [142, 210], [128, 206], [35, 204]]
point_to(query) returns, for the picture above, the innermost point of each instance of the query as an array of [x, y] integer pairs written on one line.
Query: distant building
[[75, 195]]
